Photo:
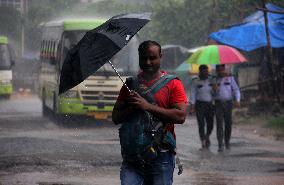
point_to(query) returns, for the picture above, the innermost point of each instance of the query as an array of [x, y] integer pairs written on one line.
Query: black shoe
[[228, 146], [207, 143], [221, 148], [203, 143]]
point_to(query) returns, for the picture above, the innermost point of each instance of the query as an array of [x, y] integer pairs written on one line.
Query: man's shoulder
[[195, 78], [229, 76], [175, 80]]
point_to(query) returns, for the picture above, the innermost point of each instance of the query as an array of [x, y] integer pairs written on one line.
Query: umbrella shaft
[[119, 75]]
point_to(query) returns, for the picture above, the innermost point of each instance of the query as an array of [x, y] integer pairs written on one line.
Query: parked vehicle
[[96, 95], [6, 63]]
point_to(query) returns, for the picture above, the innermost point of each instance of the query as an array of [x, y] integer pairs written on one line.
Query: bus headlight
[[70, 94]]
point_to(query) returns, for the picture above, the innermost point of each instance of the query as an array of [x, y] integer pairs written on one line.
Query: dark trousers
[[223, 111], [205, 116]]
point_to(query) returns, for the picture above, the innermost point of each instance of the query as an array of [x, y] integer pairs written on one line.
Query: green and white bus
[[6, 63], [96, 95]]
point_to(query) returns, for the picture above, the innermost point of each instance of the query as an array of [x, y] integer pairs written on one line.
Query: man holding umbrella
[[169, 108], [226, 90]]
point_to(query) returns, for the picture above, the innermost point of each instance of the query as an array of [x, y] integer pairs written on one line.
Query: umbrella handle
[[119, 76]]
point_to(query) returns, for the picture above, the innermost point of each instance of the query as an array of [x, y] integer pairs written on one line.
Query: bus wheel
[[44, 107]]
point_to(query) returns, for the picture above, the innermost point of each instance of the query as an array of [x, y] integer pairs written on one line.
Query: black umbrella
[[97, 47]]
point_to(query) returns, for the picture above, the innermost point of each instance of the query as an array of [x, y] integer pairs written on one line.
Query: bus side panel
[[6, 87]]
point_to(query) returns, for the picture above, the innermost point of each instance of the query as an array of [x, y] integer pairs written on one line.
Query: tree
[[184, 22], [42, 11], [11, 22]]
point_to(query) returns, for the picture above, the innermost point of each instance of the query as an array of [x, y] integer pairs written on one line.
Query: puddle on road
[[94, 176], [52, 183], [190, 177], [211, 179]]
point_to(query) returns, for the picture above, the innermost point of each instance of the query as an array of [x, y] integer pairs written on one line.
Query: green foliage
[[42, 11], [185, 22], [278, 2], [189, 22], [277, 123], [165, 14], [108, 8], [53, 8]]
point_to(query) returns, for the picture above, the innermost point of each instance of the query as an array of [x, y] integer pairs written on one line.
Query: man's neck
[[150, 77]]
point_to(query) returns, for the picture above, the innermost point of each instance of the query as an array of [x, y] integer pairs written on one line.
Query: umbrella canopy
[[98, 46], [186, 71], [216, 54], [250, 34]]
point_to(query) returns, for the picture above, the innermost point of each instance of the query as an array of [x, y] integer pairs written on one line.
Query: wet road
[[44, 151]]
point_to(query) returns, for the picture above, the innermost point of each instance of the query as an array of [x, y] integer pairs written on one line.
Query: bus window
[[53, 50], [70, 39], [43, 49], [40, 53], [48, 50], [125, 61]]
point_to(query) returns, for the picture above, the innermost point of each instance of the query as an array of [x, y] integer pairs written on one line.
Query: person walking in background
[[201, 100], [227, 91]]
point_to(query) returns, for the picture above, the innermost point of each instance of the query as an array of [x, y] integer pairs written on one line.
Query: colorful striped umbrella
[[216, 54]]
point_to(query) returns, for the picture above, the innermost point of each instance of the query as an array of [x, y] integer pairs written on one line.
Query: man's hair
[[146, 44], [220, 66], [202, 67]]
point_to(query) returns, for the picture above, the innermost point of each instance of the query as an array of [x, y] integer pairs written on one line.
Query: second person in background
[[227, 91]]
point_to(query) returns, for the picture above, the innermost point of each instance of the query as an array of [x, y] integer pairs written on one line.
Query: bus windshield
[[125, 61], [5, 61]]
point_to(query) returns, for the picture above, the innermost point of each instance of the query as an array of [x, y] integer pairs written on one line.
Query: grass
[[276, 123], [269, 124]]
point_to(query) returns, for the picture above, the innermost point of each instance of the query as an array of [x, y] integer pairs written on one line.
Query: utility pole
[[269, 52], [24, 6]]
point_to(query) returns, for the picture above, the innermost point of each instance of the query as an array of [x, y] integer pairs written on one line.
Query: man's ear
[[161, 55]]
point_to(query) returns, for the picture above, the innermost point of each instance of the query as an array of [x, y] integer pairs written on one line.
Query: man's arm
[[193, 91], [236, 91], [175, 114]]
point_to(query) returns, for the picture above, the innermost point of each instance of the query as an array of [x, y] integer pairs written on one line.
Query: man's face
[[221, 70], [204, 72], [150, 60]]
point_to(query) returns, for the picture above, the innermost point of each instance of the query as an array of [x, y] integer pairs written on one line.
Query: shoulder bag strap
[[158, 85]]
